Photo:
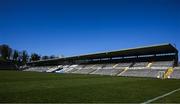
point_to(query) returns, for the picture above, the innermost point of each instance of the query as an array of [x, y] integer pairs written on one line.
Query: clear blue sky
[[73, 27]]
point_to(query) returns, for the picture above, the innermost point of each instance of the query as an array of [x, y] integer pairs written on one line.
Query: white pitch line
[[164, 95]]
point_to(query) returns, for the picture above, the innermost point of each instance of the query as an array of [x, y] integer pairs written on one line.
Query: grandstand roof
[[154, 49], [146, 50]]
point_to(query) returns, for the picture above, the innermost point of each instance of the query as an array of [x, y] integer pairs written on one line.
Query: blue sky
[[73, 27]]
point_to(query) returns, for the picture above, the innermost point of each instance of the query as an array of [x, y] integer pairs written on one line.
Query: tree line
[[9, 54]]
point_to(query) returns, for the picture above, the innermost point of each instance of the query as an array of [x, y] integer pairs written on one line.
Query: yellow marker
[[149, 65], [168, 72], [92, 66], [124, 70], [115, 65]]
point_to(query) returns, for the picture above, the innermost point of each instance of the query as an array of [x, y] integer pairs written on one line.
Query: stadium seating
[[98, 66], [66, 68], [148, 61], [109, 66], [140, 64], [176, 73], [86, 69], [136, 73], [70, 68], [124, 64], [162, 64], [143, 72], [107, 71], [53, 69], [78, 67], [138, 69], [39, 69]]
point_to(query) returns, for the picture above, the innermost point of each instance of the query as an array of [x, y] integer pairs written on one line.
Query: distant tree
[[35, 57], [61, 56], [24, 57], [52, 57], [45, 57], [15, 55], [0, 53], [5, 51], [0, 49]]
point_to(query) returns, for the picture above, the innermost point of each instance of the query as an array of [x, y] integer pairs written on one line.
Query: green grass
[[171, 98], [17, 86]]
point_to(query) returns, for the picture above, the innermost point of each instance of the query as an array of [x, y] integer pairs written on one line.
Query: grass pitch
[[17, 86]]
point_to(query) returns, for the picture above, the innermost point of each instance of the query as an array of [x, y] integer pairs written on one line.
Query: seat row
[[140, 69]]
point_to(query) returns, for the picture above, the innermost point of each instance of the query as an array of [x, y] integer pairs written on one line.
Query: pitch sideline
[[159, 97]]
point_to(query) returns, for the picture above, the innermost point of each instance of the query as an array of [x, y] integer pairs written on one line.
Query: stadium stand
[[124, 64], [143, 72], [176, 73], [43, 68], [107, 71], [109, 66], [158, 61], [64, 69], [88, 69], [55, 68], [78, 67], [162, 64], [140, 64], [37, 69]]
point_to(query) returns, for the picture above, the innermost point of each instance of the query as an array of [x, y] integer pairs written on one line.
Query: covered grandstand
[[149, 61]]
